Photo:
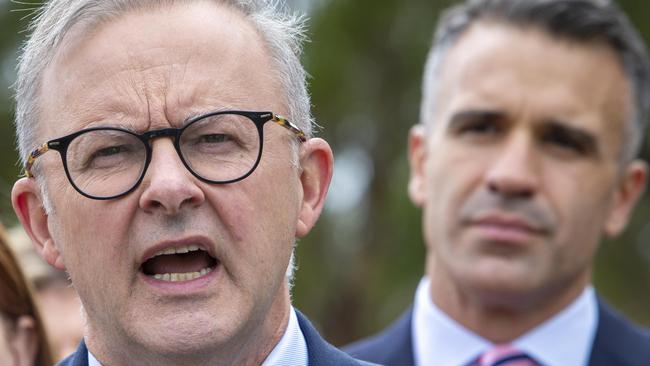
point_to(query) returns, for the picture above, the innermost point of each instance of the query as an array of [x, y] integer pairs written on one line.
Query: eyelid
[[470, 118], [583, 141]]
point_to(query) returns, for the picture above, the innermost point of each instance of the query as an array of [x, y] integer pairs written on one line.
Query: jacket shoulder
[[391, 347], [618, 341], [78, 358], [320, 352]]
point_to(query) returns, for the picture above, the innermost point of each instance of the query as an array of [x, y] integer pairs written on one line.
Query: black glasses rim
[[258, 118]]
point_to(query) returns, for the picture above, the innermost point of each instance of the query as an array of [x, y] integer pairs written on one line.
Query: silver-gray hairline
[[283, 34]]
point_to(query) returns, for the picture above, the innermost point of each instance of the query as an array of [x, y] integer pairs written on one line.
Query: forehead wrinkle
[[166, 87]]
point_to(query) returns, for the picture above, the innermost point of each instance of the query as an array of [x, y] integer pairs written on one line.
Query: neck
[[500, 316], [251, 346]]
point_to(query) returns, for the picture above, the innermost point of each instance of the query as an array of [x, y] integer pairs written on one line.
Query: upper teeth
[[177, 250]]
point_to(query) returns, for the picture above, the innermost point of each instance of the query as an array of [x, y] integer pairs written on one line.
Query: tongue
[[178, 263]]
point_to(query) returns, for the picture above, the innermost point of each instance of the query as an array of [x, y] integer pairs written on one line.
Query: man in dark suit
[[177, 191], [532, 115]]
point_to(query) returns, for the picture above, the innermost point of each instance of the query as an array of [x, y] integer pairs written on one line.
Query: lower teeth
[[175, 277]]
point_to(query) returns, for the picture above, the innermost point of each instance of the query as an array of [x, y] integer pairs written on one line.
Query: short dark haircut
[[574, 20]]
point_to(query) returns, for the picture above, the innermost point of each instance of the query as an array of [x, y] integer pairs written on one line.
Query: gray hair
[[283, 34], [575, 20]]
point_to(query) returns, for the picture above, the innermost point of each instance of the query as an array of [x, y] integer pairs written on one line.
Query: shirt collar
[[291, 350], [564, 339]]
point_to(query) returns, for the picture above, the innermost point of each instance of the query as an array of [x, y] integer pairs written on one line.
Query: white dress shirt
[[291, 350], [564, 340]]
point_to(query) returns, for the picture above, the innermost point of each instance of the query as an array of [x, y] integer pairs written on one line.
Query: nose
[[514, 172], [168, 185]]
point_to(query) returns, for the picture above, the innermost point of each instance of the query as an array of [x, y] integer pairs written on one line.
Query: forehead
[[527, 68], [159, 65]]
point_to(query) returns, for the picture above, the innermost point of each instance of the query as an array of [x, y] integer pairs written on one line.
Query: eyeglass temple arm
[[32, 158], [290, 126]]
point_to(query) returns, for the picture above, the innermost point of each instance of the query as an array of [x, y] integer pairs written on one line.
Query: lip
[[180, 287], [203, 243], [505, 228]]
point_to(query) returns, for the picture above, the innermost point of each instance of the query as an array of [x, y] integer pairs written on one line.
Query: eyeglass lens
[[218, 148]]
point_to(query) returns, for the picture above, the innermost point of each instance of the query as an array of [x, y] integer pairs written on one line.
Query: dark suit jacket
[[320, 352], [618, 342]]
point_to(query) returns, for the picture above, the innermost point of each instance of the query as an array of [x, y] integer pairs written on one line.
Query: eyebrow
[[462, 117], [585, 138], [203, 111]]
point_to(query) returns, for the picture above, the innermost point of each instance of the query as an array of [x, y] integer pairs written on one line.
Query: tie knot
[[505, 355]]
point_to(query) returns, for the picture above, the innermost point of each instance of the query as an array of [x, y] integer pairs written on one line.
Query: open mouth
[[182, 263]]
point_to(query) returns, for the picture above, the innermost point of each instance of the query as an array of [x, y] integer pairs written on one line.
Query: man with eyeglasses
[[532, 116], [161, 175]]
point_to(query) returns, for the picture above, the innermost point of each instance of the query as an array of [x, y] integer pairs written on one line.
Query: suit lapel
[[320, 352], [78, 358], [393, 346], [618, 341]]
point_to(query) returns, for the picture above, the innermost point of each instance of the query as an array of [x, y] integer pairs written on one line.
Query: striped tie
[[505, 355]]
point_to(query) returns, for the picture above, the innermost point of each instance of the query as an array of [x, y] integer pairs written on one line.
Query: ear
[[316, 162], [631, 186], [23, 343], [417, 155], [28, 205]]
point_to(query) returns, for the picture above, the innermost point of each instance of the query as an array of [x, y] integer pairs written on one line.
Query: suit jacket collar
[[618, 341], [78, 358], [393, 347], [320, 352]]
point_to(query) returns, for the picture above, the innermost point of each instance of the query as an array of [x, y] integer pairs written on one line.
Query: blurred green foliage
[[359, 267], [366, 59]]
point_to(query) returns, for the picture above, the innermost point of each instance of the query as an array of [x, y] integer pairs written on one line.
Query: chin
[[187, 332]]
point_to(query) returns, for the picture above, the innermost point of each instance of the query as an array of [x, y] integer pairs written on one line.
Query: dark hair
[[16, 299], [574, 20]]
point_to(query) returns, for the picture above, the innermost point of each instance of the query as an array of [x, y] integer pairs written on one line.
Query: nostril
[[492, 187], [510, 189]]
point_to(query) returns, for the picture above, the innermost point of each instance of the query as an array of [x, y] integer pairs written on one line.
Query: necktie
[[505, 355]]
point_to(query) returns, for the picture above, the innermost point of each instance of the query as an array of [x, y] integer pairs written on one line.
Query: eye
[[109, 151], [569, 140], [109, 156], [215, 138], [477, 124], [480, 127]]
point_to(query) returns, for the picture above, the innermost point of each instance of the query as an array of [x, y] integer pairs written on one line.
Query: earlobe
[[316, 162], [417, 153], [631, 187], [28, 205]]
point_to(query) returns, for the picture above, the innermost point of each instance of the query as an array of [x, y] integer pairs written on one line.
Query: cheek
[[581, 206], [259, 213], [90, 233], [451, 180]]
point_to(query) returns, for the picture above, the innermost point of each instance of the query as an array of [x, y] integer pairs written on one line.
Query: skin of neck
[[250, 347], [499, 317]]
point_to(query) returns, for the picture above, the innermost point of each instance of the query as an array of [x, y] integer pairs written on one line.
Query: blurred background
[[359, 267]]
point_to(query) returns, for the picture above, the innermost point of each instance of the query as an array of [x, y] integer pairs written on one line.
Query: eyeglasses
[[106, 162]]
